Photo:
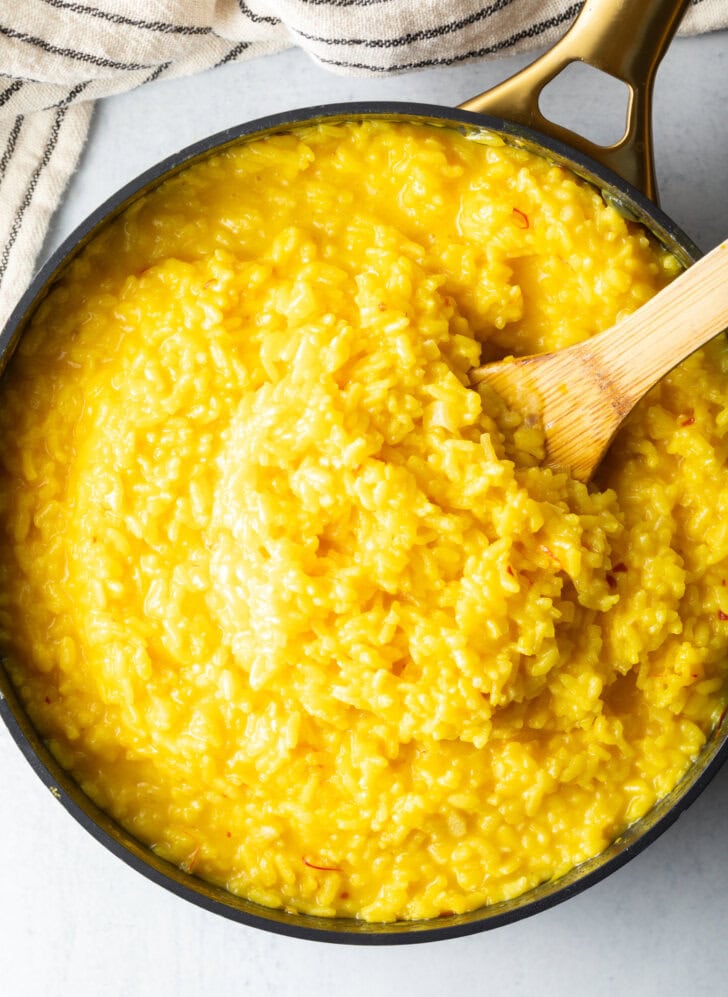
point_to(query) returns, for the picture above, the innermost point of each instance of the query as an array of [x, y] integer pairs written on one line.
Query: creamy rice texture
[[295, 604]]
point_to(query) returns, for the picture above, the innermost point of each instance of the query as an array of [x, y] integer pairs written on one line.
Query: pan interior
[[547, 893]]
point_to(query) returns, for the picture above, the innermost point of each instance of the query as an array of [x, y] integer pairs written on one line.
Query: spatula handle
[[678, 320]]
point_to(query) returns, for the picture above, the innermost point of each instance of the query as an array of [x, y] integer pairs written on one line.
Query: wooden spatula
[[583, 394]]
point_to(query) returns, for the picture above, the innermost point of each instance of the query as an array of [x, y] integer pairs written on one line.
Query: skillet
[[625, 38]]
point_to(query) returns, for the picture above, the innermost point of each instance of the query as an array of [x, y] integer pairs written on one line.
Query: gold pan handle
[[624, 38]]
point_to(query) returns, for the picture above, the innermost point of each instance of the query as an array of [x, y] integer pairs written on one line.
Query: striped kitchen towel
[[58, 56]]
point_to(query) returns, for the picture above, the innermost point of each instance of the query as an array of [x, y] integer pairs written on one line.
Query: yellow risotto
[[296, 605]]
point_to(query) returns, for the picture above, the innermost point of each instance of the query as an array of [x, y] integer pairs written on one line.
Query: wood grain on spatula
[[582, 394]]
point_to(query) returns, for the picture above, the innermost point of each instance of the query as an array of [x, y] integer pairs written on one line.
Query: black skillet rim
[[138, 856]]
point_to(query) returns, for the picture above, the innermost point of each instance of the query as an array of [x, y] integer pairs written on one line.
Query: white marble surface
[[74, 920]]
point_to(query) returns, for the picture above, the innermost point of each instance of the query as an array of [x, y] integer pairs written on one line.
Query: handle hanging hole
[[587, 101]]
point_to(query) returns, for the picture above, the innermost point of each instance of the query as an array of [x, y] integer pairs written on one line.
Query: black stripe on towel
[[415, 36], [161, 68], [9, 91], [234, 52], [95, 60], [105, 15], [532, 32], [36, 174], [256, 18], [343, 3], [11, 143]]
